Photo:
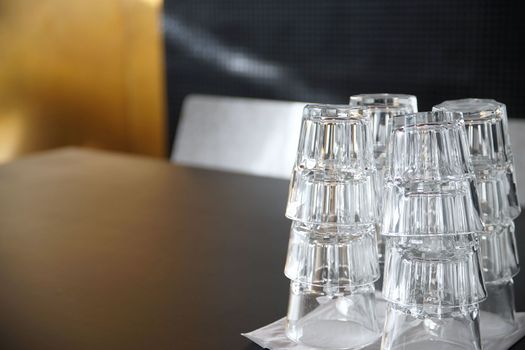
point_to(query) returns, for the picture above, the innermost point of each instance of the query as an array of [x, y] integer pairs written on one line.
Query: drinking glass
[[323, 255], [430, 185], [431, 327], [336, 317], [433, 270], [333, 180]]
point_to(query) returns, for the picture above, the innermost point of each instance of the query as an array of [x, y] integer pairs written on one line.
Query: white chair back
[[245, 135]]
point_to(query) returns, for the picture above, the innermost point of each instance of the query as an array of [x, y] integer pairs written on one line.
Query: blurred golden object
[[82, 72]]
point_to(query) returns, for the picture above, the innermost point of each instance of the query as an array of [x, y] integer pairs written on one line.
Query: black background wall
[[327, 50]]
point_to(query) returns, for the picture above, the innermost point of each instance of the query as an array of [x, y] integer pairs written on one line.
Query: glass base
[[440, 271], [326, 334], [416, 328], [332, 318]]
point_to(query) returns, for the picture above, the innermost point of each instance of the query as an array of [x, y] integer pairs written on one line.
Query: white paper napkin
[[273, 336]]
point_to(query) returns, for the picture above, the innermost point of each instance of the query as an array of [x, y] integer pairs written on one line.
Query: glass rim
[[473, 302], [334, 229], [424, 235], [334, 113], [384, 101], [474, 109], [427, 119]]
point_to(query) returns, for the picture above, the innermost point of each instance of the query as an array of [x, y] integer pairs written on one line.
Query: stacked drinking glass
[[486, 126], [332, 257], [382, 108], [432, 279]]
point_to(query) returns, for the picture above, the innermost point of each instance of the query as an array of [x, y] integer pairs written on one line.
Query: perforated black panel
[[327, 50]]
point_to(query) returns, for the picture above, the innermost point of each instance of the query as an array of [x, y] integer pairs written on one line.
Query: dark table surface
[[108, 251]]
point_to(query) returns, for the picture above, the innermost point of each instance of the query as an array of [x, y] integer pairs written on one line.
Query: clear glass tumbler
[[333, 180], [431, 327], [430, 185], [331, 317], [442, 270], [332, 255]]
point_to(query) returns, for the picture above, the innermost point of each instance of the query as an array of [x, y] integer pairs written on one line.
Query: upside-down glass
[[430, 186], [332, 317], [333, 180], [332, 269], [332, 255], [433, 270], [382, 108], [429, 328], [433, 286]]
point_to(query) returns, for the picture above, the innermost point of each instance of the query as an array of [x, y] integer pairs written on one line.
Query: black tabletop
[[108, 251]]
